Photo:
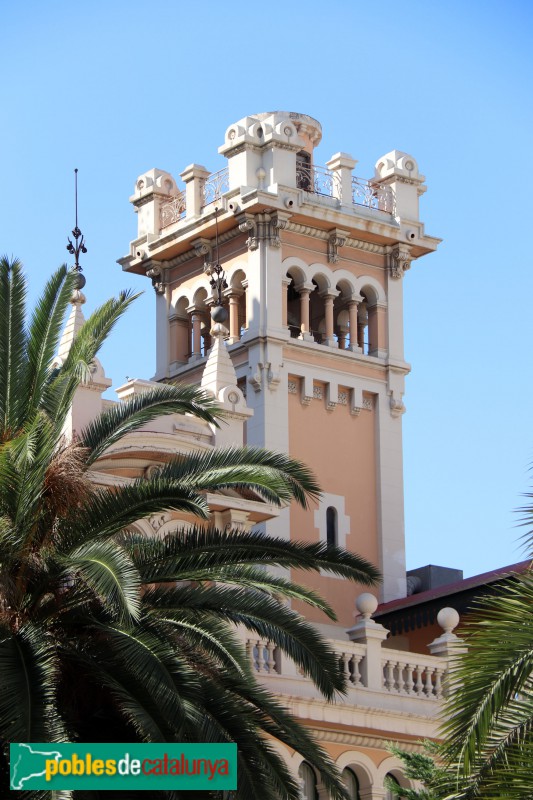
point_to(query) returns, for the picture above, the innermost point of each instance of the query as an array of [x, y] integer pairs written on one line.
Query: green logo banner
[[123, 766]]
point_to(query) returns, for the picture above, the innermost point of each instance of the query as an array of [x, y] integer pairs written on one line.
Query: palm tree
[[489, 730], [108, 633]]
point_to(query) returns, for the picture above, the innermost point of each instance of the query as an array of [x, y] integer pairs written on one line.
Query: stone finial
[[448, 619], [449, 643], [365, 628], [366, 604]]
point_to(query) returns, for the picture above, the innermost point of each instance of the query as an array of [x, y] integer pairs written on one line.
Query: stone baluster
[[419, 684], [356, 677], [271, 661], [409, 682]]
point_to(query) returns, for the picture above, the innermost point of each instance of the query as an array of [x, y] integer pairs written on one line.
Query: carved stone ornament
[[265, 228], [156, 274], [399, 260], [336, 239], [397, 407], [256, 379], [203, 247], [273, 377], [159, 520]]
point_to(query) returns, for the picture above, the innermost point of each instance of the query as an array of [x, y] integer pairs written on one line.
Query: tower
[[314, 260]]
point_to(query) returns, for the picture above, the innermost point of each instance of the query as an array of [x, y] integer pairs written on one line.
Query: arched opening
[[180, 333], [390, 793], [351, 783], [368, 322], [294, 319], [332, 536], [200, 323], [341, 312], [307, 782], [317, 314], [236, 294], [304, 171]]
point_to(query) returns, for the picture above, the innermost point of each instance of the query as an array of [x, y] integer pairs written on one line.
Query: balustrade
[[411, 675]]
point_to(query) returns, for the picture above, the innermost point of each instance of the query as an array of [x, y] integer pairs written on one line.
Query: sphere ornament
[[448, 619], [219, 314], [366, 604]]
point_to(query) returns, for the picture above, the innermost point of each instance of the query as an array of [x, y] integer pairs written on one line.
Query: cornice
[[318, 233]]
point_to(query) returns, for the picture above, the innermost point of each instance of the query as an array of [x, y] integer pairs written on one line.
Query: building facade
[[311, 363]]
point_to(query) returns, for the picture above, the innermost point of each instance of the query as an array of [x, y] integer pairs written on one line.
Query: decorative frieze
[[368, 403], [343, 398], [292, 387], [318, 392]]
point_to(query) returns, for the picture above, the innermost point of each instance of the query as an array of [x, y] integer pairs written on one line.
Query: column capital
[[305, 288], [328, 294]]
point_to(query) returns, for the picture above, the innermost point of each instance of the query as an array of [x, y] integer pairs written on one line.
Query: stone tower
[[314, 260]]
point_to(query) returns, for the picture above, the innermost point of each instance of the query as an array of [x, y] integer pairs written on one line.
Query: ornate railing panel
[[215, 186], [367, 193], [172, 211], [318, 180]]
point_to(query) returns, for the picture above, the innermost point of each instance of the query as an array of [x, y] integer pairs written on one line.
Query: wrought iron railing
[[369, 194], [172, 211], [215, 186], [318, 180]]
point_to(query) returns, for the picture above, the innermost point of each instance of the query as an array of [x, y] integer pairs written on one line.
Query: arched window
[[331, 527], [304, 171], [351, 783], [307, 782], [294, 320], [390, 793]]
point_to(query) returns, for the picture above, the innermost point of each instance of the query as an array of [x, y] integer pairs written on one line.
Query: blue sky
[[115, 88]]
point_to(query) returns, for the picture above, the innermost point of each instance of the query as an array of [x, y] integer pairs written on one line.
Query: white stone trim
[[336, 501]]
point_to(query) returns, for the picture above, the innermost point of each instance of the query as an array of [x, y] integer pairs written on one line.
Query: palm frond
[[28, 678], [276, 476], [110, 574], [209, 548], [44, 332], [12, 345], [58, 395], [128, 416]]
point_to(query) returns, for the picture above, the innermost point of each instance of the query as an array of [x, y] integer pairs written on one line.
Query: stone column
[[196, 322], [353, 308], [285, 283], [329, 298], [234, 329], [304, 309], [362, 322]]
